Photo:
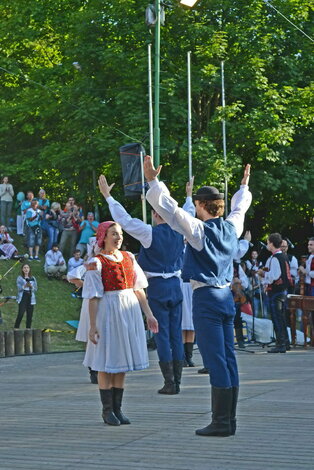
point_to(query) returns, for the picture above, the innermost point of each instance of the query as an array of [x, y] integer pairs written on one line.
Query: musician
[[240, 283], [253, 265], [309, 269], [277, 278], [293, 263]]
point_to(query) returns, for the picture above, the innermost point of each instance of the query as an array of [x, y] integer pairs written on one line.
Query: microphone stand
[[10, 269]]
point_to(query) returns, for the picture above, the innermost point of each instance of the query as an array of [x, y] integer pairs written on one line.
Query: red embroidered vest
[[117, 275]]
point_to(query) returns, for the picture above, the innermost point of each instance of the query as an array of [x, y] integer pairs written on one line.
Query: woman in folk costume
[[114, 285], [76, 277]]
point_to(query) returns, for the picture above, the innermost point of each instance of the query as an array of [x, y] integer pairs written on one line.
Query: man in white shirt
[[212, 245], [277, 279], [293, 263], [55, 264], [309, 269]]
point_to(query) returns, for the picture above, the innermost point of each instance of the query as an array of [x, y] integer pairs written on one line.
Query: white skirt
[[83, 326], [121, 344], [187, 317]]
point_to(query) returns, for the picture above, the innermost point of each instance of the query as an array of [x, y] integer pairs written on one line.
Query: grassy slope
[[54, 302]]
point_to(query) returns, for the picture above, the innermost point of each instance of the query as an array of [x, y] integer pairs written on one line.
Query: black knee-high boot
[[177, 373], [117, 394], [169, 387], [233, 421], [107, 408], [221, 413], [188, 352], [93, 374]]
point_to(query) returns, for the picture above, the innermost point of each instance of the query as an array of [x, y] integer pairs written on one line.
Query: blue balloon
[[20, 196]]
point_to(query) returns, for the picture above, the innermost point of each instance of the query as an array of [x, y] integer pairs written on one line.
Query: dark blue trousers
[[165, 300], [213, 315], [277, 303]]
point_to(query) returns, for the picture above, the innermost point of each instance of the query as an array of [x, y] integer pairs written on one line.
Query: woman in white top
[[26, 288], [114, 285]]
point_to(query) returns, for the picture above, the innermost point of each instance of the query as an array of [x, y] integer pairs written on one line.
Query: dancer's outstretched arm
[[134, 227]]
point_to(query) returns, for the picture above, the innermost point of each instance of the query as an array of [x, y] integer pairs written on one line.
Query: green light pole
[[187, 3], [157, 86]]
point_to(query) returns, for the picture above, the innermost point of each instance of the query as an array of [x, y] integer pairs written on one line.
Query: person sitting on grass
[[7, 249], [75, 261], [55, 265]]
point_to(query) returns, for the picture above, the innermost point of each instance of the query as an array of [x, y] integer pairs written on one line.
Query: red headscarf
[[101, 232]]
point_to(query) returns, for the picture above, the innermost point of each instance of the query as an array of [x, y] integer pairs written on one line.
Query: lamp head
[[188, 3]]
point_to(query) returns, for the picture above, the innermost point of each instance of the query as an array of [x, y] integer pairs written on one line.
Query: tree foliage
[[61, 125]]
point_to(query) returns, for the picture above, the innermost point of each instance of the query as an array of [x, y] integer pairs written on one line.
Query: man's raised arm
[[167, 207], [134, 227], [240, 203]]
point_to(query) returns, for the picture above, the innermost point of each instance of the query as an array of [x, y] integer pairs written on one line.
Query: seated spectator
[[7, 249], [75, 261], [70, 220], [88, 229], [33, 232], [55, 264], [53, 223]]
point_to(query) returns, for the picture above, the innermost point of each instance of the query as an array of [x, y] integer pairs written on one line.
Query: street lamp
[[190, 4]]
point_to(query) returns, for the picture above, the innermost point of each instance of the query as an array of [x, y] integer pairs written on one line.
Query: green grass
[[54, 306]]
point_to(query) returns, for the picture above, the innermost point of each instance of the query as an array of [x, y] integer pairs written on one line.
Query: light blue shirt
[[87, 232]]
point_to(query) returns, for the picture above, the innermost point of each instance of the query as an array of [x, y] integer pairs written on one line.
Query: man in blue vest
[[212, 245], [161, 258]]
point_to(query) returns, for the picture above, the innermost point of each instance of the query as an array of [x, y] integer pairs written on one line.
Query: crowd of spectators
[[58, 234]]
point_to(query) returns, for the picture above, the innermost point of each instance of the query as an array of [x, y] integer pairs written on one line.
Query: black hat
[[207, 193]]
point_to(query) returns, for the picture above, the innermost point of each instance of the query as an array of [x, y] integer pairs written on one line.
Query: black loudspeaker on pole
[[130, 156]]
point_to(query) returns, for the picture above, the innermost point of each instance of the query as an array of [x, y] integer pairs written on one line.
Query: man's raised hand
[[189, 187], [104, 186], [150, 171], [246, 175]]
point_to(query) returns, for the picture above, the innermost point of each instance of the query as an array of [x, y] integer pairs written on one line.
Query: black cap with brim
[[207, 193]]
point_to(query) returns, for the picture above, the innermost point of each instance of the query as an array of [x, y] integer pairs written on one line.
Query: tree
[[60, 123]]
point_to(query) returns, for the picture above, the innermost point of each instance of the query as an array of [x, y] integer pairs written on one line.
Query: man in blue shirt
[[34, 233], [88, 229]]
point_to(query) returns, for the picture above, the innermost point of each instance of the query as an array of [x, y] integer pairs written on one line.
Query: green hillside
[[54, 307]]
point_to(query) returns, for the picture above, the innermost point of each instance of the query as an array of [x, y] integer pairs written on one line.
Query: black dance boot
[[240, 338], [117, 394], [188, 352], [233, 421], [93, 375], [107, 408], [203, 371], [222, 399], [169, 387], [177, 373], [279, 348]]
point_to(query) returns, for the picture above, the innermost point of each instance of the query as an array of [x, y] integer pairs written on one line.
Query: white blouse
[[93, 286]]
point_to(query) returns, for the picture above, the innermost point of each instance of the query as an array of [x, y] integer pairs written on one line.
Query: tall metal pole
[[143, 189], [150, 102], [189, 114], [157, 86], [224, 133]]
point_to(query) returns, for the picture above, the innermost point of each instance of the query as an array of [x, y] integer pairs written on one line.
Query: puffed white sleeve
[[93, 286], [140, 280], [77, 273]]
